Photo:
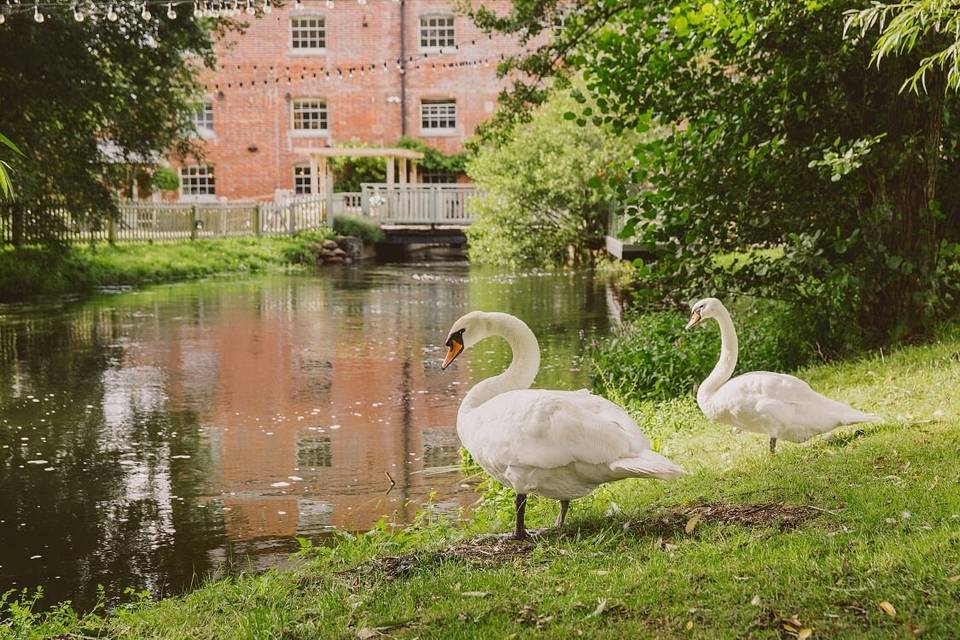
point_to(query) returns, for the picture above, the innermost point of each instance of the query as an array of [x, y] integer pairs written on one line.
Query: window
[[310, 115], [439, 178], [202, 118], [437, 32], [314, 451], [301, 179], [308, 33], [438, 114], [197, 181]]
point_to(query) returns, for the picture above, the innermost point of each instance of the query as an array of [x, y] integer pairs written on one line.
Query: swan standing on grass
[[560, 444], [776, 404]]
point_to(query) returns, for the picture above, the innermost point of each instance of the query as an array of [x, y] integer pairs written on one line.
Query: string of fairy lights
[[148, 10], [261, 75]]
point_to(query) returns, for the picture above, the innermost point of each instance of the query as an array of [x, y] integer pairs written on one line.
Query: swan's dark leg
[[521, 531], [564, 505], [773, 446]]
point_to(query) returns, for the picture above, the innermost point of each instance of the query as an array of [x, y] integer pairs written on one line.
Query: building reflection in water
[[149, 437]]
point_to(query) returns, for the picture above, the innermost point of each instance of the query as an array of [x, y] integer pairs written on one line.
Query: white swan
[[776, 404], [560, 444]]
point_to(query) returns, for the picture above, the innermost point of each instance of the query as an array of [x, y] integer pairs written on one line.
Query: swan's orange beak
[[695, 319], [454, 348]]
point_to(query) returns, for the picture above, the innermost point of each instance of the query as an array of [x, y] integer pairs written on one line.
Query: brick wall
[[259, 75]]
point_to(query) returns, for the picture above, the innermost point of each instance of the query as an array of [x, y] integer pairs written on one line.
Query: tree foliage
[[905, 26], [546, 188], [781, 134], [71, 89]]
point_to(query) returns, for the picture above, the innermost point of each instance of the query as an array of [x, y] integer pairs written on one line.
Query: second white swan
[[560, 444], [776, 404]]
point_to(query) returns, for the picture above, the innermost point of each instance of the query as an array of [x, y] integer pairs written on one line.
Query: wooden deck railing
[[157, 222]]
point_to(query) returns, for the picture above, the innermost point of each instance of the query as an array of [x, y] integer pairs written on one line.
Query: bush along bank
[[37, 271]]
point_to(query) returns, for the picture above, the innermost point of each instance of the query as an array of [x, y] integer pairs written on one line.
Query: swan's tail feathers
[[648, 465], [856, 417]]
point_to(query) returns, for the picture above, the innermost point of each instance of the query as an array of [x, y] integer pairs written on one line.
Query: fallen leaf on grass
[[366, 633], [888, 609], [953, 578], [804, 633], [601, 605], [475, 594], [755, 601], [692, 523], [689, 625]]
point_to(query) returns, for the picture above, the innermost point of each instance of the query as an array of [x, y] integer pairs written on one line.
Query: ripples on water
[[153, 436]]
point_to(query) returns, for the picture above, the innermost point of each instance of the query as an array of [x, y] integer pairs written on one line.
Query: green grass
[[44, 271], [883, 508]]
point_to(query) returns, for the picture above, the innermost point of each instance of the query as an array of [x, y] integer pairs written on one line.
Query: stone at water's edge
[[343, 250]]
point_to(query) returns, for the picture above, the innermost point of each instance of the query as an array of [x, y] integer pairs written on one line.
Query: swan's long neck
[[727, 362], [523, 367]]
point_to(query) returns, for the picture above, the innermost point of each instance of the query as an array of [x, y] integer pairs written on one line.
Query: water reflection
[[154, 436]]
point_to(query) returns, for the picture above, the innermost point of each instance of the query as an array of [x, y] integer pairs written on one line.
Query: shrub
[[651, 357], [165, 179], [366, 230]]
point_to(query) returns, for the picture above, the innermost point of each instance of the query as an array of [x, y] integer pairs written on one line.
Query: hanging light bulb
[[78, 13], [3, 17], [112, 15], [171, 14], [267, 7], [145, 13], [36, 13]]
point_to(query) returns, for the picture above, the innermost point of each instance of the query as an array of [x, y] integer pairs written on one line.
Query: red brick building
[[319, 73]]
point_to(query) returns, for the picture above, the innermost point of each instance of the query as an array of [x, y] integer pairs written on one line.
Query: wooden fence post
[[256, 219], [111, 231], [193, 222], [291, 223], [16, 214]]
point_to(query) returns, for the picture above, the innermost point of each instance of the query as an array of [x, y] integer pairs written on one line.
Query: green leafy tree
[[70, 88], [781, 135], [6, 185], [546, 195]]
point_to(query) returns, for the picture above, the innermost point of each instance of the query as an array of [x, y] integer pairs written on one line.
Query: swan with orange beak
[[559, 444]]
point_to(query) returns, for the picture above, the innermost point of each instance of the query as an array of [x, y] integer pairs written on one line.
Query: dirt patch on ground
[[477, 552], [755, 515]]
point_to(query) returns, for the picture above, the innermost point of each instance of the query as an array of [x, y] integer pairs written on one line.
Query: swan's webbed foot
[[562, 516], [520, 533], [773, 446]]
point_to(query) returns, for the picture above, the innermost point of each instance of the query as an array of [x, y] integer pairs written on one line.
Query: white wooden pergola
[[406, 160]]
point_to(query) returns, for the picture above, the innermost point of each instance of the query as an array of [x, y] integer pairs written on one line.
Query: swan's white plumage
[[560, 444], [776, 404]]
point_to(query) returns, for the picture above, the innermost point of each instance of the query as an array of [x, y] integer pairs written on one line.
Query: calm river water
[[156, 436]]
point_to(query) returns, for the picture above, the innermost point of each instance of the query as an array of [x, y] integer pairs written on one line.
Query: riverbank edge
[[32, 272], [833, 538]]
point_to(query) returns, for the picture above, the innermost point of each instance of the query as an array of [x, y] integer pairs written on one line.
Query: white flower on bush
[[377, 201]]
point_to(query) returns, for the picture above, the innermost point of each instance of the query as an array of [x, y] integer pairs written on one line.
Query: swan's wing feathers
[[787, 402], [557, 428], [648, 464]]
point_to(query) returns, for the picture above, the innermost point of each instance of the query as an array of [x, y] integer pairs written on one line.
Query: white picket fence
[[147, 221], [418, 204]]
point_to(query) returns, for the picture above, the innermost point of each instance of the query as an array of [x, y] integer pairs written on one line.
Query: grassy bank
[[45, 271], [857, 536]]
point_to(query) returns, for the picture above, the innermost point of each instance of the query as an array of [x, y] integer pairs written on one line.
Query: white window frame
[[429, 34], [200, 117], [193, 173], [430, 112], [301, 172], [294, 38], [308, 132]]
